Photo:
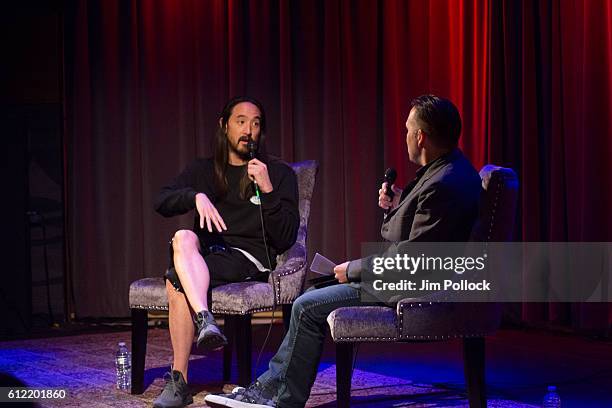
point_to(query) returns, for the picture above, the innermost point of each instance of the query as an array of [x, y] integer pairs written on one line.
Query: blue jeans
[[293, 369]]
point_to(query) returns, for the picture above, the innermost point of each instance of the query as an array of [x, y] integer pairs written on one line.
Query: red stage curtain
[[145, 81]]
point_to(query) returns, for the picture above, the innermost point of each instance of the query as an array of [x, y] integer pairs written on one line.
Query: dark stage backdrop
[[145, 81]]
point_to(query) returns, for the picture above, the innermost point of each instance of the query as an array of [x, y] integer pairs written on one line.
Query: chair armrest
[[296, 259], [288, 278]]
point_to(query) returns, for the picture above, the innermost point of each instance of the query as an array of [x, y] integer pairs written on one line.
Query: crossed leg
[[195, 279]]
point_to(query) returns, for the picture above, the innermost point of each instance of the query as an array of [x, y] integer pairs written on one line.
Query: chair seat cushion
[[233, 298], [148, 293], [242, 298], [363, 323]]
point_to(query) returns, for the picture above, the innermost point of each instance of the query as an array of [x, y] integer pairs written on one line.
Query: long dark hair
[[221, 148]]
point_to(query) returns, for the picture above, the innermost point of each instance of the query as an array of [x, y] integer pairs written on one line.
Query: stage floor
[[520, 365]]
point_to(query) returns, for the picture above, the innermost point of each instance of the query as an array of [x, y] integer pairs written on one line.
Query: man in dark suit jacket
[[440, 205]]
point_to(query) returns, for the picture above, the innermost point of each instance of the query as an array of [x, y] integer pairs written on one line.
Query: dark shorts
[[224, 266]]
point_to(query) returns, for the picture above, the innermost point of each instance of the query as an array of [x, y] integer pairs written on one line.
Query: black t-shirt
[[242, 217]]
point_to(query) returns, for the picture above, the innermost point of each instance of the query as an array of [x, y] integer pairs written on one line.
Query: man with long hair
[[230, 192]]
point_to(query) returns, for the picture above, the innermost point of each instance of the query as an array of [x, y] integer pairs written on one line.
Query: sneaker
[[209, 334], [175, 394], [256, 396]]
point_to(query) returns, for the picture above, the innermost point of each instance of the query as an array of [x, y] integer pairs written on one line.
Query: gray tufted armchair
[[236, 301], [418, 321]]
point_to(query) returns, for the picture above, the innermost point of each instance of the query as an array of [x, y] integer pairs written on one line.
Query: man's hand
[[340, 272], [209, 213], [258, 172], [384, 201]]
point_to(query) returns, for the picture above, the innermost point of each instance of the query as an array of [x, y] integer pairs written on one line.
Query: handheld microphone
[[390, 176], [252, 148]]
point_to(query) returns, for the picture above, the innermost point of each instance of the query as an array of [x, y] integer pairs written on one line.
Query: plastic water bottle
[[123, 364], [551, 399]]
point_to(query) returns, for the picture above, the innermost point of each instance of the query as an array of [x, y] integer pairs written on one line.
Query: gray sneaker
[[175, 394], [209, 334], [255, 396]]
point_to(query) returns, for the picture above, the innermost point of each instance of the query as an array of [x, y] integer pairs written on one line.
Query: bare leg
[[194, 276], [191, 268], [181, 328]]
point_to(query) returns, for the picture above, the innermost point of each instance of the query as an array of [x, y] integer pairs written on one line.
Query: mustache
[[243, 139]]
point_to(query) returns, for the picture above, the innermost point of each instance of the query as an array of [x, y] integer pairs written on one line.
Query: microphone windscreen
[[390, 176], [252, 148]]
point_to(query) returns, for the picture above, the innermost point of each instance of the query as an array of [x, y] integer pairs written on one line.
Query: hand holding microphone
[[389, 195], [257, 170]]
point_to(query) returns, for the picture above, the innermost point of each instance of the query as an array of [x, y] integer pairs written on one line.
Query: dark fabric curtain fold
[[549, 116], [145, 81]]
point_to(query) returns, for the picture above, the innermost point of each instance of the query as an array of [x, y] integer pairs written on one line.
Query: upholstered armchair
[[415, 320], [235, 302]]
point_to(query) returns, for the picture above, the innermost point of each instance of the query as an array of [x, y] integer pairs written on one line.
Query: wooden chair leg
[[344, 373], [474, 369], [139, 348], [229, 330], [243, 349]]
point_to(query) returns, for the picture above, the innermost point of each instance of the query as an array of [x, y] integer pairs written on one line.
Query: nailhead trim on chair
[[445, 337], [357, 338], [275, 279], [149, 307], [242, 313], [424, 337], [291, 271], [410, 337], [497, 191], [401, 316], [221, 311]]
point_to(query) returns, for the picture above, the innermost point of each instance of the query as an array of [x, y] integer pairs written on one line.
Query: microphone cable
[[252, 148], [263, 230]]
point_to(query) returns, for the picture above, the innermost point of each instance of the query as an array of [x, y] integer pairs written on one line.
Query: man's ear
[[421, 137], [221, 125]]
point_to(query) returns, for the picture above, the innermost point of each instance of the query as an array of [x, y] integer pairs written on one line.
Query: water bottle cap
[[552, 388]]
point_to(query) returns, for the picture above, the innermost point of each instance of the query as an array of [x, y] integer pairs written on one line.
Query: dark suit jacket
[[441, 205]]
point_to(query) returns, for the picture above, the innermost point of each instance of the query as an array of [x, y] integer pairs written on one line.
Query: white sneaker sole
[[221, 401]]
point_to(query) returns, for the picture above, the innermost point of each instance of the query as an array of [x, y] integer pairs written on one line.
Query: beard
[[240, 151]]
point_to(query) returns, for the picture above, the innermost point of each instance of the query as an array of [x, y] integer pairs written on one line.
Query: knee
[[184, 240], [299, 306]]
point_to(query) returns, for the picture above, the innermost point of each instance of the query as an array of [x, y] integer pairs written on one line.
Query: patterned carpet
[[84, 365]]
